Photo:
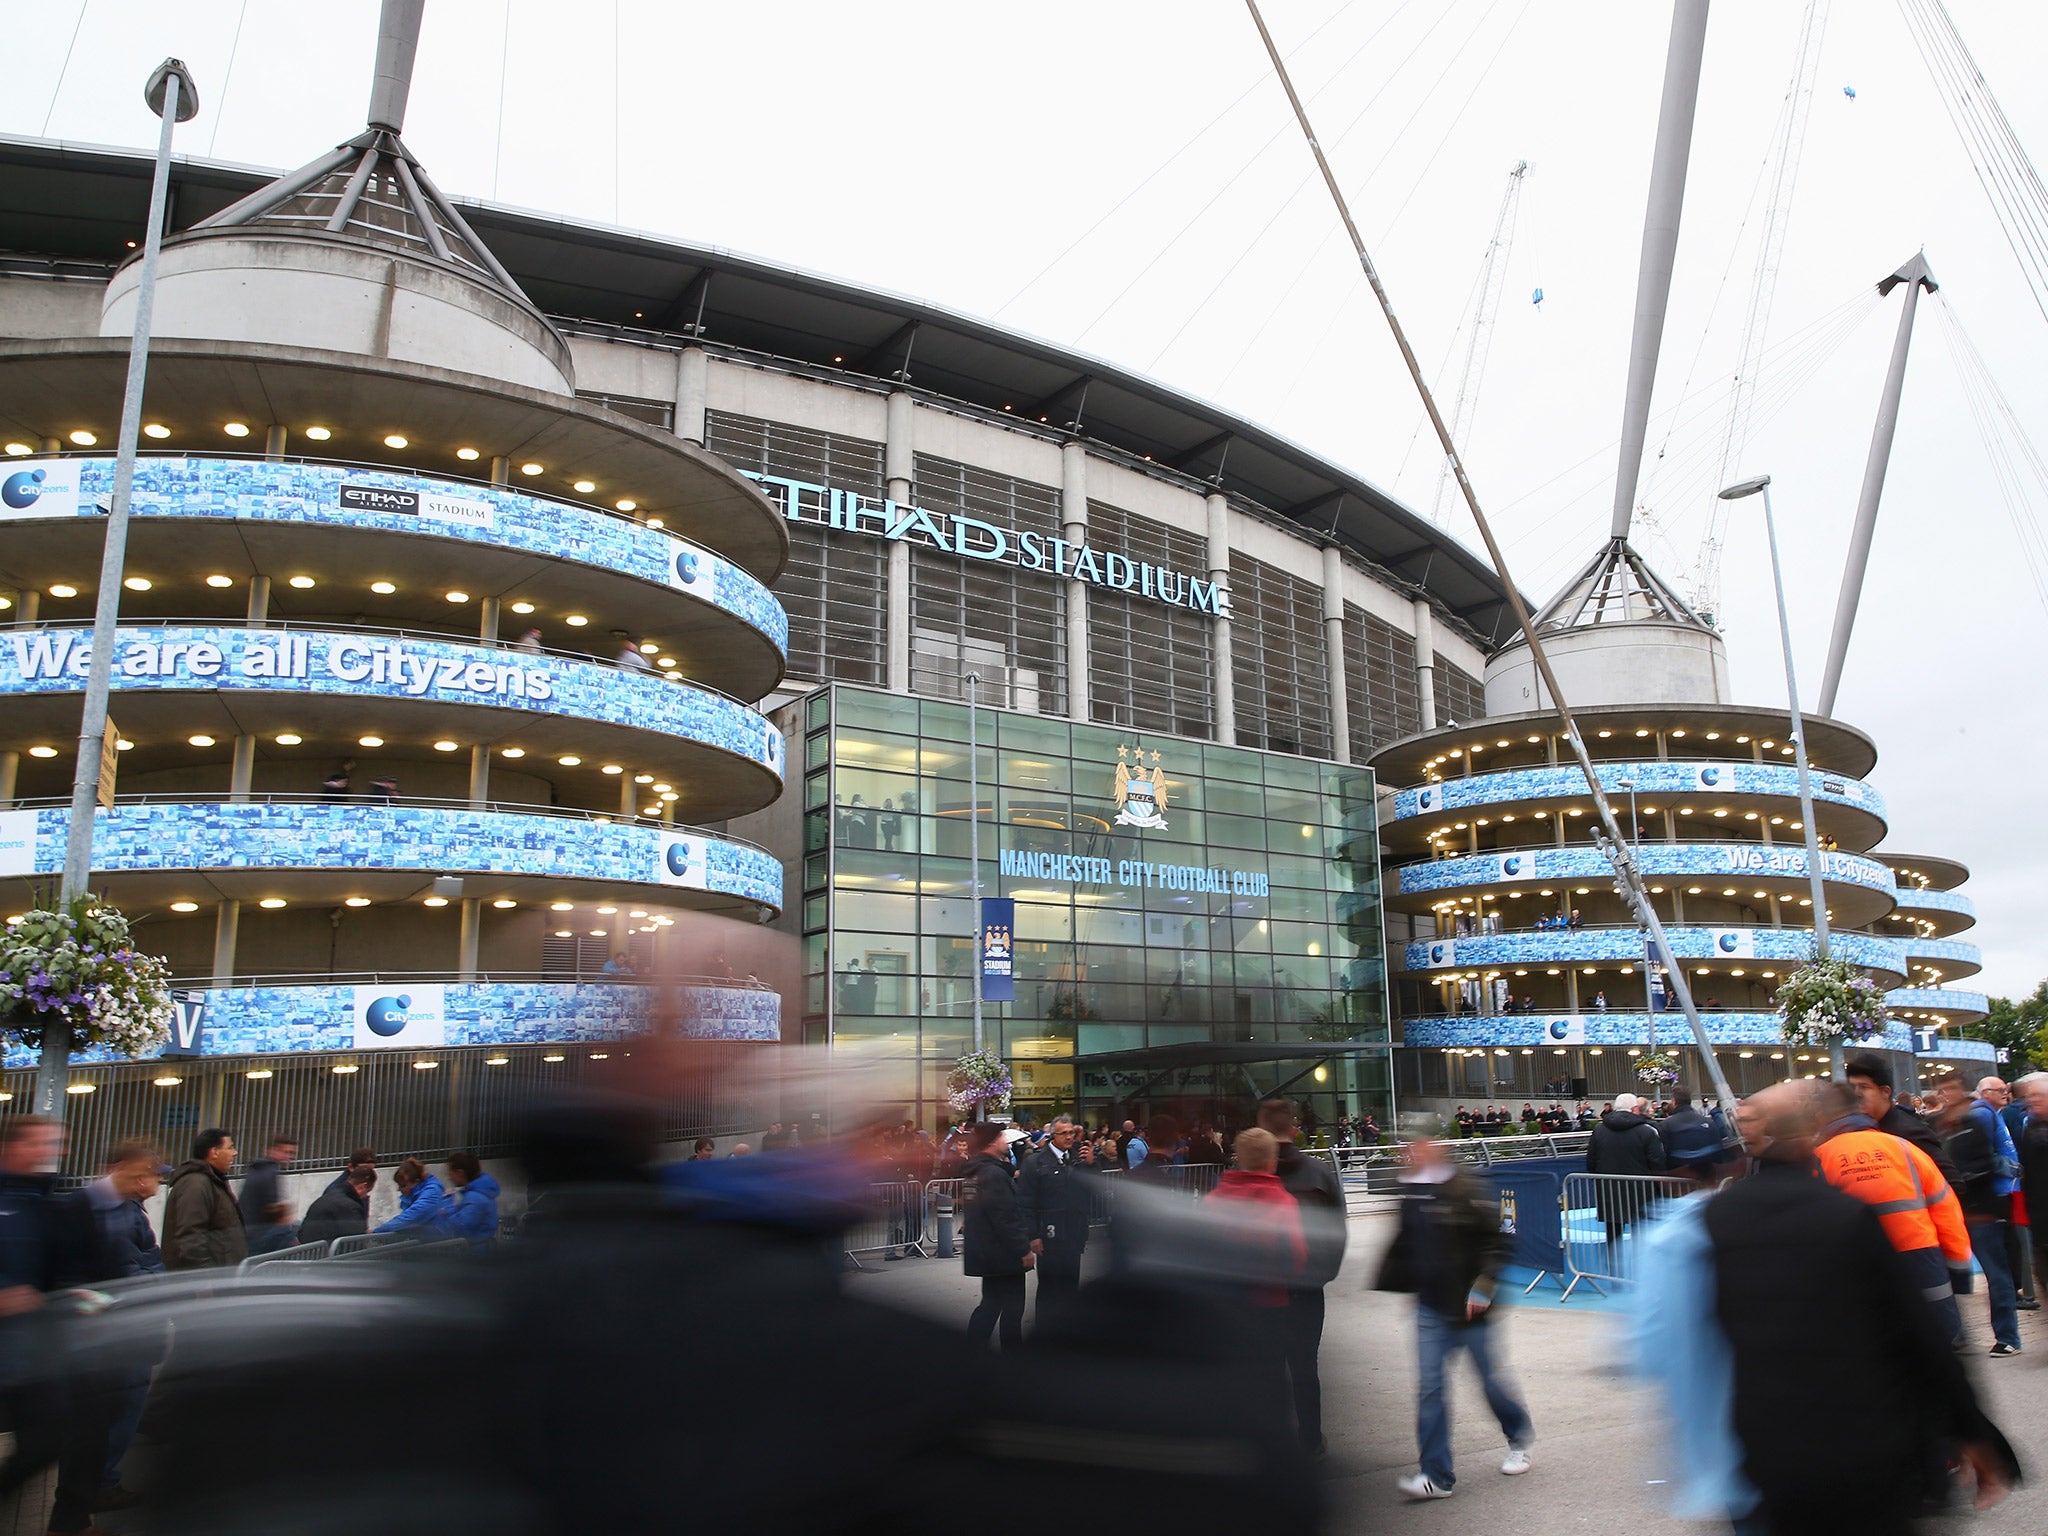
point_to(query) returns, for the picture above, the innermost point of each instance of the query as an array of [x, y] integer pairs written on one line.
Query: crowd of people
[[54, 1241]]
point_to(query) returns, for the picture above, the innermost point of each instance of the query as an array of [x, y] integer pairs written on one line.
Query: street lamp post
[[1813, 868], [173, 97], [1635, 830], [974, 835]]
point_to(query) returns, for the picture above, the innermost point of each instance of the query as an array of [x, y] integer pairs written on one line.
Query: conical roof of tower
[[1617, 586], [370, 191]]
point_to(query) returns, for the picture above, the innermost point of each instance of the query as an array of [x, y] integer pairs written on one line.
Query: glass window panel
[[818, 709], [817, 789], [814, 872], [949, 914], [1237, 832], [1175, 1034], [1301, 774], [1045, 922], [815, 912], [1094, 1039], [884, 913], [817, 749], [817, 830], [1228, 763], [1235, 799]]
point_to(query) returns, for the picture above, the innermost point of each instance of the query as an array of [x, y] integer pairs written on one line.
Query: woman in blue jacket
[[473, 1214], [423, 1206]]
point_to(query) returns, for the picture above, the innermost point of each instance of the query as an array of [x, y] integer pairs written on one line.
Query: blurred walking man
[[1843, 1378], [1448, 1254], [1320, 1195]]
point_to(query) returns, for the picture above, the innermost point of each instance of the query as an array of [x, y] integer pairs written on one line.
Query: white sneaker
[[1516, 1461], [1420, 1487]]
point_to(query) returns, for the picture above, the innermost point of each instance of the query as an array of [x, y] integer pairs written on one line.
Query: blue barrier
[[1531, 1211]]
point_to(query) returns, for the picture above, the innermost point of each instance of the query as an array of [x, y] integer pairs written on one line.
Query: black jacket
[[1449, 1246], [1055, 1197], [1687, 1137], [1973, 1155], [339, 1212], [995, 1238], [1625, 1142], [1842, 1376], [262, 1188], [202, 1223], [2032, 1146], [1903, 1123], [1320, 1193]]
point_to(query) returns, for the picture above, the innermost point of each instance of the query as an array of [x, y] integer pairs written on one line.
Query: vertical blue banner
[[998, 970]]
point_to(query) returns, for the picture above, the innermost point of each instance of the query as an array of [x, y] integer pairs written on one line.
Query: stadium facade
[[507, 595]]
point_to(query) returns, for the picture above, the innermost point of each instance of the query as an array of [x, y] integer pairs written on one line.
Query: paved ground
[[1596, 1428]]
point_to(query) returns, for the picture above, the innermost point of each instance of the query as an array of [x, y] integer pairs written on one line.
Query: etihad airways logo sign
[[973, 539]]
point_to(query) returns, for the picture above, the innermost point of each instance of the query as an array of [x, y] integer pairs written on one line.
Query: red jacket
[[1275, 1226]]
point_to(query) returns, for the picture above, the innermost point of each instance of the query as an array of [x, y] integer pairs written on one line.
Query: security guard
[[1055, 1191]]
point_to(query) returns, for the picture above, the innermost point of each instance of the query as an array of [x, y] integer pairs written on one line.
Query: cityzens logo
[[1437, 955], [1730, 942], [679, 860], [686, 566], [1559, 1029], [1511, 866], [1709, 777], [1425, 799], [22, 491], [388, 1016]]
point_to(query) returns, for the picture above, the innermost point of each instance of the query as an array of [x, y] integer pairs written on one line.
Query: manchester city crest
[[1140, 791]]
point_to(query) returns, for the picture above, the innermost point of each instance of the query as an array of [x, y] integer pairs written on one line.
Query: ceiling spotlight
[[137, 583], [123, 744], [612, 768], [513, 752], [303, 583], [200, 741], [42, 751], [165, 1082], [569, 762], [220, 581], [522, 607], [318, 434], [496, 1061], [369, 741], [504, 903], [561, 906], [61, 589], [344, 1068], [383, 588], [83, 438], [236, 429], [575, 621], [467, 455], [184, 906], [655, 522], [586, 485], [458, 597], [271, 903], [445, 746], [606, 911], [260, 1074], [556, 1056], [289, 739], [437, 901], [643, 778], [92, 1087], [357, 901], [425, 1066], [18, 450], [667, 663], [625, 504], [531, 469], [394, 440], [156, 429]]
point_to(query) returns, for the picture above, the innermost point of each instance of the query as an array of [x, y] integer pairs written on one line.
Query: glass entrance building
[[1168, 893]]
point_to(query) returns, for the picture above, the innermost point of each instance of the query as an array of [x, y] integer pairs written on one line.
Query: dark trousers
[[1059, 1278], [1812, 1512], [65, 1423], [2017, 1252], [1304, 1343], [1002, 1304]]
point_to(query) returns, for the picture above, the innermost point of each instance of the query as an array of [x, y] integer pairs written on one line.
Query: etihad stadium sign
[[973, 539]]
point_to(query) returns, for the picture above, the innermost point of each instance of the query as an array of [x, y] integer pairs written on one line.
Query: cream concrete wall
[[339, 298], [1020, 455], [617, 368], [784, 397], [1614, 664], [37, 309]]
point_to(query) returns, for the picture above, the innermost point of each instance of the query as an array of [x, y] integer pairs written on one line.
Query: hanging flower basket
[[1657, 1068], [980, 1080], [78, 964], [1827, 1003]]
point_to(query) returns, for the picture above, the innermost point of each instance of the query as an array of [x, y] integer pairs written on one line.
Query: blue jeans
[[1437, 1338], [1987, 1242]]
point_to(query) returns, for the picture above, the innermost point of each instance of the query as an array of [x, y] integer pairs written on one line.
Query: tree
[[2020, 1029]]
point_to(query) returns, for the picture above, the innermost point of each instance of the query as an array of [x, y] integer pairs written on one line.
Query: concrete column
[[466, 945], [274, 440], [1074, 529], [10, 768], [692, 371], [1219, 572], [28, 606], [1425, 660], [53, 445], [259, 599], [1333, 653], [243, 771], [487, 620], [899, 472], [479, 776], [501, 470], [227, 919], [629, 794]]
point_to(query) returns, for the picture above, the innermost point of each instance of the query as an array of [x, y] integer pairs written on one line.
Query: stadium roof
[[73, 210]]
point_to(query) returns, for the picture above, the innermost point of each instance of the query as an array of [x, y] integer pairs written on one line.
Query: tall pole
[[1915, 275], [974, 834], [172, 96], [1618, 849], [1660, 244]]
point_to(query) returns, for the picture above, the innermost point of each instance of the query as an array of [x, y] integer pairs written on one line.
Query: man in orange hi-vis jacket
[[1900, 1183]]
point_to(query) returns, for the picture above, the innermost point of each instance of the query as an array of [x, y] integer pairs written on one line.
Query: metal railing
[[397, 978], [361, 1243], [1604, 1217], [893, 1224], [298, 1254]]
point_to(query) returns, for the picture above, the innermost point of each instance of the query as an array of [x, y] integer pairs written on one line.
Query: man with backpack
[[1981, 1150]]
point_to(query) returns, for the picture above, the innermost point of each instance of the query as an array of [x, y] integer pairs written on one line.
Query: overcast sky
[[1124, 178]]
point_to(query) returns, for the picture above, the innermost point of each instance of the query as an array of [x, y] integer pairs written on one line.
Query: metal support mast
[[1688, 32], [1916, 276]]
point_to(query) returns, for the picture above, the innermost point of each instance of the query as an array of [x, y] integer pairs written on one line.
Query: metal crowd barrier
[[294, 1255], [1604, 1217], [364, 1242], [1195, 1179], [894, 1223]]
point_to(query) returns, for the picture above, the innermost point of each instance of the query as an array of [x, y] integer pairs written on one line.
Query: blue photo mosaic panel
[[1732, 860], [283, 491], [1937, 1000], [1914, 900], [1660, 779], [264, 1021], [1612, 1029], [368, 665], [433, 840], [1557, 946]]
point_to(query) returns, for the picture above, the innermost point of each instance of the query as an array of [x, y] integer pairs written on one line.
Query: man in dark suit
[[995, 1239], [1054, 1190]]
